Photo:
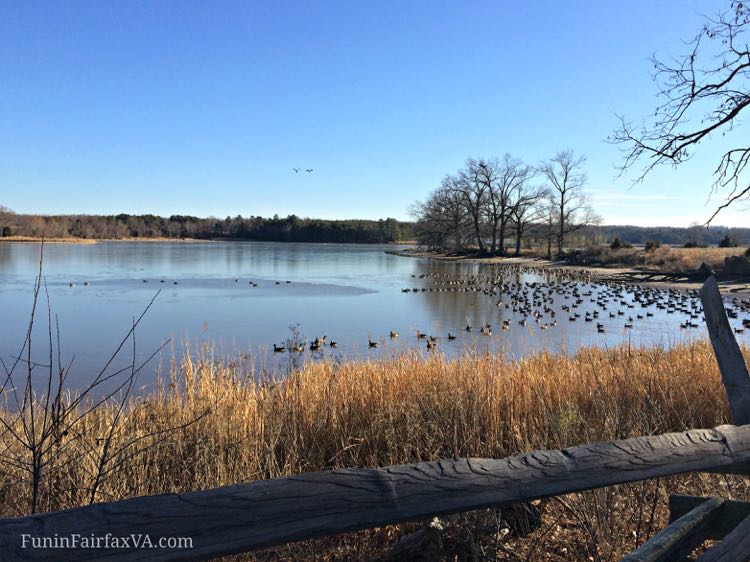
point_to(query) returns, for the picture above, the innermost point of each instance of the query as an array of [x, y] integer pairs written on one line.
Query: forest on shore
[[287, 229], [296, 229]]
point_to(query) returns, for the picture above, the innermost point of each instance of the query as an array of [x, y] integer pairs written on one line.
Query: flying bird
[[308, 170], [296, 170]]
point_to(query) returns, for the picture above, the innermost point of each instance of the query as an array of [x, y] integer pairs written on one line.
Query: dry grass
[[364, 414], [664, 258]]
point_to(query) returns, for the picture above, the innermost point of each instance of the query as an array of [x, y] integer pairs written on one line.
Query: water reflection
[[244, 296]]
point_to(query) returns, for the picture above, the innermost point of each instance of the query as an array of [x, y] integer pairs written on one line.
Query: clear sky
[[204, 108]]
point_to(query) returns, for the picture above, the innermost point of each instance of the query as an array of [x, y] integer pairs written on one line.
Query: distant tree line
[[289, 229], [491, 201], [446, 227], [694, 236]]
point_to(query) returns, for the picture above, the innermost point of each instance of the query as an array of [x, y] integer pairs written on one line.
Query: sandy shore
[[622, 274], [47, 240]]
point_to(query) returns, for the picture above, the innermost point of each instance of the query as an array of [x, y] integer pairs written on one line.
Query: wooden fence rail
[[732, 513], [681, 536], [270, 512]]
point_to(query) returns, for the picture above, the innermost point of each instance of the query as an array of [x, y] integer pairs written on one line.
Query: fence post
[[734, 373]]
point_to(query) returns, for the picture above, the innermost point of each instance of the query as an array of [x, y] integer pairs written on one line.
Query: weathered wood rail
[[266, 513], [731, 513], [271, 512], [682, 535]]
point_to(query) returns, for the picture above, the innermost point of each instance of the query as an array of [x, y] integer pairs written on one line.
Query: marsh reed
[[233, 427]]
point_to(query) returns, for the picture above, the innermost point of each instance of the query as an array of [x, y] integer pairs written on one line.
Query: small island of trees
[[489, 201]]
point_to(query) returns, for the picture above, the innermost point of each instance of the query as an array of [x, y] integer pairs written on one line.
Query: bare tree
[[474, 195], [6, 219], [700, 94], [566, 180], [548, 214], [528, 208], [495, 202], [454, 213], [505, 180], [442, 221]]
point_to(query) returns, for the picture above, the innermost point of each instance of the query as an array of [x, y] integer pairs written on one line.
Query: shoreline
[[71, 240], [27, 239], [728, 287]]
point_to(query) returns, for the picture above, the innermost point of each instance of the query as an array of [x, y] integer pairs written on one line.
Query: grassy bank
[[666, 259], [362, 414], [623, 265]]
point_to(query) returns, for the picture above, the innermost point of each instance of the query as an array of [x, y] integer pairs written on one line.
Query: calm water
[[244, 296]]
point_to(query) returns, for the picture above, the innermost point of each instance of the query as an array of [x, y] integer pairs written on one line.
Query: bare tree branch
[[700, 94]]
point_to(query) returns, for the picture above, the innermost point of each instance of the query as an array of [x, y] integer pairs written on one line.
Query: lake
[[243, 297]]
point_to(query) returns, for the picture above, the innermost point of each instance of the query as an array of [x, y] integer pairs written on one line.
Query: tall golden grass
[[667, 259], [404, 409]]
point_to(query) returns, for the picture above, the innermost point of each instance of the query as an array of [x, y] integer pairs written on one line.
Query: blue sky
[[204, 108]]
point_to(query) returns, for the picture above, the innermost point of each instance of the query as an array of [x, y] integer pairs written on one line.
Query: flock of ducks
[[299, 347], [534, 300], [555, 296], [236, 280]]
